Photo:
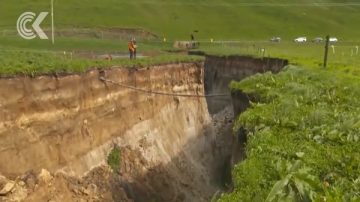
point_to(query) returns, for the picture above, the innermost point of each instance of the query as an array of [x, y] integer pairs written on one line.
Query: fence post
[[333, 49], [326, 51]]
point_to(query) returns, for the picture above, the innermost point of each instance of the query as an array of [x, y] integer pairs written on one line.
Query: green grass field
[[49, 59], [218, 19], [310, 54], [253, 23], [19, 62]]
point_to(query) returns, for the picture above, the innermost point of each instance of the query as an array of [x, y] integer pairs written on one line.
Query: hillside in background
[[218, 19]]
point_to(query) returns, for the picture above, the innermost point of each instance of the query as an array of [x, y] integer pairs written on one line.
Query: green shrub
[[114, 158]]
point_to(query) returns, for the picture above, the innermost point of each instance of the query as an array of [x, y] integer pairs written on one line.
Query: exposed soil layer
[[58, 123], [172, 148]]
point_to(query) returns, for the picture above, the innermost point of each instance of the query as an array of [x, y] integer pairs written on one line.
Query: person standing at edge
[[131, 49]]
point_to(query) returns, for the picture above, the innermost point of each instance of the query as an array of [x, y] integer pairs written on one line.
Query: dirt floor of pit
[[170, 182]]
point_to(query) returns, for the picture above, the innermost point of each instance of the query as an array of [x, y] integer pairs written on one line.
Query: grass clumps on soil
[[303, 137], [114, 158]]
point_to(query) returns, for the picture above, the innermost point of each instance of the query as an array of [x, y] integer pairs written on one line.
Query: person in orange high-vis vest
[[131, 49]]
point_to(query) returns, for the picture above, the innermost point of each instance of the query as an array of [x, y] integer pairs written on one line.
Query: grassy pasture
[[218, 19], [245, 21]]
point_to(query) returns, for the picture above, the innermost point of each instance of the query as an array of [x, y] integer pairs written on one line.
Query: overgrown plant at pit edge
[[303, 137], [114, 159]]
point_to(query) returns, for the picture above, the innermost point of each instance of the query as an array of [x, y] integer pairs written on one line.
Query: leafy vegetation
[[303, 137], [114, 159]]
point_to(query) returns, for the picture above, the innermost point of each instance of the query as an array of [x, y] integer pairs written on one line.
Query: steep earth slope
[[173, 148]]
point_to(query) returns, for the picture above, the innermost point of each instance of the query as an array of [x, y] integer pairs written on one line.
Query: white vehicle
[[333, 39], [318, 40], [275, 39], [300, 40]]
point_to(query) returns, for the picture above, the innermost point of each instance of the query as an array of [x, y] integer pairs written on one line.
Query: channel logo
[[31, 32]]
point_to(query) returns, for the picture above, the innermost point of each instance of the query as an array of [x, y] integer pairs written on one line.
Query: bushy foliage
[[303, 141], [114, 159]]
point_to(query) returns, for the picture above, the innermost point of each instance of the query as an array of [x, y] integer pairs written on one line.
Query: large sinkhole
[[127, 136]]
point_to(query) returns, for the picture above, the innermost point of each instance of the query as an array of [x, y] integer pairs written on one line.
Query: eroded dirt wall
[[219, 72], [70, 122]]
